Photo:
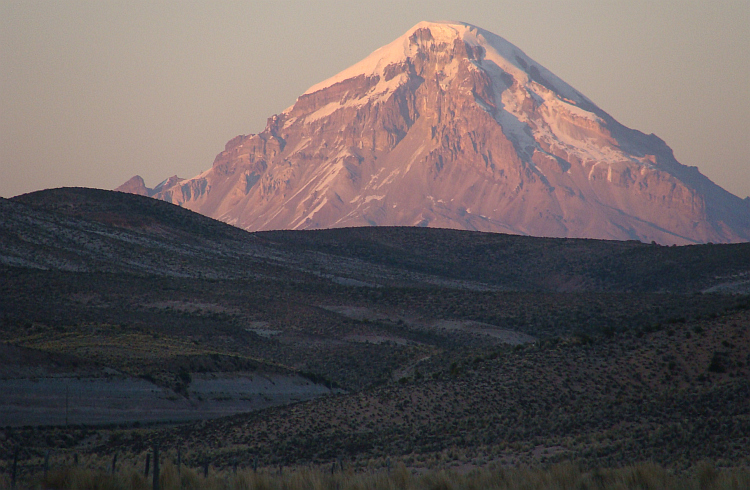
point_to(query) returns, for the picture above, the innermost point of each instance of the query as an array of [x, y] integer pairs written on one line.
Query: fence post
[[114, 463], [148, 464], [179, 460], [46, 463], [156, 466], [205, 468], [255, 464], [14, 472]]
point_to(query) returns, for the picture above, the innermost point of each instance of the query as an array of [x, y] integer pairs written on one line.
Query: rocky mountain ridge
[[451, 126]]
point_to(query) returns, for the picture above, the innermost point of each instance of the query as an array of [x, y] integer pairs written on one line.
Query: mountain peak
[[444, 34], [135, 185], [452, 126], [393, 53]]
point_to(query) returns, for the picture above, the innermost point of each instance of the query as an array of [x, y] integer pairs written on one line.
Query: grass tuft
[[566, 476]]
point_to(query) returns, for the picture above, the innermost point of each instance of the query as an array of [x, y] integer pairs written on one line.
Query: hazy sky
[[94, 92]]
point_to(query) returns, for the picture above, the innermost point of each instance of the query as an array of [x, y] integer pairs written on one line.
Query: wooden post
[[156, 466], [148, 464], [114, 463], [205, 469], [14, 471], [179, 460], [75, 460], [67, 396], [255, 465], [46, 464]]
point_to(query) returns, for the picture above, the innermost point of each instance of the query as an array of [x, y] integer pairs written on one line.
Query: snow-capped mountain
[[452, 126]]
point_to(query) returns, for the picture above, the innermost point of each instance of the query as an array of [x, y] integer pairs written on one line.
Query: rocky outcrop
[[452, 126], [135, 185]]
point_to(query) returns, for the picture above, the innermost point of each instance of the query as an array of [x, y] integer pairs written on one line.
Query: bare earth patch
[[122, 399], [359, 313], [478, 328]]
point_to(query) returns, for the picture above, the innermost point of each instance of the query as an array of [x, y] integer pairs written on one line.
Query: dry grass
[[564, 476]]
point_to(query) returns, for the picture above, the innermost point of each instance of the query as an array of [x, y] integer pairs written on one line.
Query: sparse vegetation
[[636, 477], [628, 374]]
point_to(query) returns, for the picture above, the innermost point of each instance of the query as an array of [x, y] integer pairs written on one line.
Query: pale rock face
[[452, 126], [135, 185]]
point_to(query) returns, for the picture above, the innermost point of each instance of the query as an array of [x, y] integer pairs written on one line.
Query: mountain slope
[[452, 126], [90, 230]]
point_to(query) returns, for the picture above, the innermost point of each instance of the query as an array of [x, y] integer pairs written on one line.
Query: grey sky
[[94, 92]]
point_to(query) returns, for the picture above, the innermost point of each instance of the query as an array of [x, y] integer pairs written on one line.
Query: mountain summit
[[452, 126]]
